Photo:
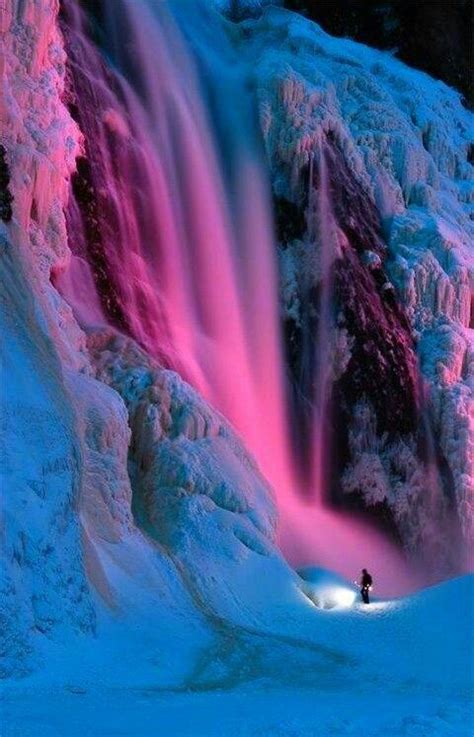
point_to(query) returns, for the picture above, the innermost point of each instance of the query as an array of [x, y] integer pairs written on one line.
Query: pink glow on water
[[194, 270], [343, 544], [223, 325], [76, 284], [324, 232]]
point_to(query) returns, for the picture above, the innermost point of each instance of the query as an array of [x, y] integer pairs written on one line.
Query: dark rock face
[[433, 36], [85, 196], [290, 220], [6, 198], [381, 367], [91, 216], [383, 364]]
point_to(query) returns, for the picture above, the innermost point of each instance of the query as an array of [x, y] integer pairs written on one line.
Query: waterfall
[[171, 230], [440, 537], [323, 229]]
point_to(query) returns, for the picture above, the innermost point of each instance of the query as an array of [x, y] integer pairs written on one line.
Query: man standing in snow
[[365, 585]]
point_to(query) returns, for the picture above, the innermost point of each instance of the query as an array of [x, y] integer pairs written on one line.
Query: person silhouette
[[365, 585]]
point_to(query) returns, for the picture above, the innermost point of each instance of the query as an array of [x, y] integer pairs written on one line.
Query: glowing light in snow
[[344, 597], [333, 597]]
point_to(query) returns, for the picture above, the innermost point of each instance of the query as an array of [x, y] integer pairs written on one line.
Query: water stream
[[170, 226]]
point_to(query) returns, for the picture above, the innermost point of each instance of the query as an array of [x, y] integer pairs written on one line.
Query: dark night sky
[[433, 35]]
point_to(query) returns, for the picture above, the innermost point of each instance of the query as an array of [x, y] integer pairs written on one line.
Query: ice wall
[[402, 188], [71, 547], [43, 579]]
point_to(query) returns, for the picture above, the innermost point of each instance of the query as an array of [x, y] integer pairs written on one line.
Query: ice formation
[[69, 530], [402, 187], [118, 476]]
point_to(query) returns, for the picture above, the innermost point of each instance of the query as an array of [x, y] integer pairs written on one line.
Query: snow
[[242, 8], [280, 713], [43, 580], [401, 667]]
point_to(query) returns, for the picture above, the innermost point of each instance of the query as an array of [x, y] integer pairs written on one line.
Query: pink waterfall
[[170, 226]]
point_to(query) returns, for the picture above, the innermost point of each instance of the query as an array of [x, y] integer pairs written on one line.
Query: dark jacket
[[366, 580]]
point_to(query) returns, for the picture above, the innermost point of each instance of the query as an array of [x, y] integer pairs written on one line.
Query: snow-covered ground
[[393, 668]]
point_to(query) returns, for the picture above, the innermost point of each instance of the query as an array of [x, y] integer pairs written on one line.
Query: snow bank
[[196, 491], [43, 580], [381, 669]]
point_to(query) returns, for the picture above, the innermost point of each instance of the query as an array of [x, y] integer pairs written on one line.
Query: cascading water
[[171, 231], [324, 230], [440, 534], [185, 277]]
